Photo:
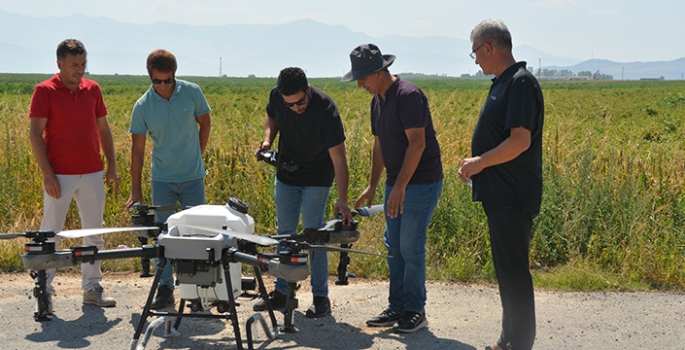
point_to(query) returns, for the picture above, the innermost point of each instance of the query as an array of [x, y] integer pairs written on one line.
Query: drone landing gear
[[42, 313], [228, 308], [342, 267], [231, 312]]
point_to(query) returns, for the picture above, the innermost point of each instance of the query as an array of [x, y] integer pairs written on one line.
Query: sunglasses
[[300, 102], [158, 81]]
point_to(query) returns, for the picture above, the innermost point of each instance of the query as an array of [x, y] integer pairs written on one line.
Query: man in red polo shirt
[[68, 128]]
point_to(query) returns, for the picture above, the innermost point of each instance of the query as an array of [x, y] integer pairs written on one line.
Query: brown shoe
[[95, 297]]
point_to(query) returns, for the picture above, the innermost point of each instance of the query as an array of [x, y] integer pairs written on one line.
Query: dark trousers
[[510, 234]]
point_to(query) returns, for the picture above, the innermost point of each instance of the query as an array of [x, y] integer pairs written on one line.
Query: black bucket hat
[[367, 59]]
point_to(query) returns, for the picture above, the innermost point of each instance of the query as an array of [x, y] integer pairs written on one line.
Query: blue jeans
[[187, 193], [311, 202], [405, 238]]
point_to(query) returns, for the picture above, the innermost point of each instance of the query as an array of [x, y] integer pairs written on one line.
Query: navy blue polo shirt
[[515, 100], [405, 107]]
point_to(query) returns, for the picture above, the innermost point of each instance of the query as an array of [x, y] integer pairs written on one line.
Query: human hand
[[52, 186], [112, 179], [469, 167], [342, 208]]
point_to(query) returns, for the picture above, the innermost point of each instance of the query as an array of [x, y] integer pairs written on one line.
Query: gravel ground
[[461, 317]]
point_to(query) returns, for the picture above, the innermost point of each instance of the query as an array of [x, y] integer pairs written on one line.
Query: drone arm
[[66, 258]]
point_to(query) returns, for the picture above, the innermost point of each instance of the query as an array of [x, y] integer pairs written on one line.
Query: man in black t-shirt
[[505, 170], [312, 136]]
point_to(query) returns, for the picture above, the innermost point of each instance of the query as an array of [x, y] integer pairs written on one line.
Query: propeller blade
[[261, 240], [366, 211], [99, 231], [167, 207], [346, 250], [329, 224], [10, 235], [143, 207]]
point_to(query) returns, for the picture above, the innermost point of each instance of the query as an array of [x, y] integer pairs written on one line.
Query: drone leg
[[40, 292], [342, 266], [144, 262], [177, 323], [146, 309], [290, 306], [262, 292], [231, 304]]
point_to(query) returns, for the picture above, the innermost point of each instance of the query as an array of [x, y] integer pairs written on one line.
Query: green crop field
[[613, 210]]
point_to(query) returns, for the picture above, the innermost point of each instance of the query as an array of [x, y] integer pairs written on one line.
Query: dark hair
[[71, 47], [292, 80], [161, 60]]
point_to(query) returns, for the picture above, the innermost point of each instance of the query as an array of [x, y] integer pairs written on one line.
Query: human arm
[[205, 127], [137, 157], [342, 180], [107, 144], [377, 168], [40, 152], [517, 143], [412, 157], [270, 131]]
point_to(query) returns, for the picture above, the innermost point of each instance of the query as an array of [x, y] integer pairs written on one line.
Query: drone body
[[198, 252]]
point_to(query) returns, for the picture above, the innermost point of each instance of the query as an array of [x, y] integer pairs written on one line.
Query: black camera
[[271, 157]]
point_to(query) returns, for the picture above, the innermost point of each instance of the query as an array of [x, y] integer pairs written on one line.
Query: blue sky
[[618, 30]]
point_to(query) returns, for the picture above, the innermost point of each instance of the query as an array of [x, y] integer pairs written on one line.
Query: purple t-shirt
[[405, 107]]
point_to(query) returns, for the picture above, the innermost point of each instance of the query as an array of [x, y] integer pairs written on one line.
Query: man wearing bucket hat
[[406, 146]]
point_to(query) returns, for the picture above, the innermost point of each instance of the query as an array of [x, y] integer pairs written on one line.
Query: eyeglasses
[[473, 53], [158, 81], [300, 102]]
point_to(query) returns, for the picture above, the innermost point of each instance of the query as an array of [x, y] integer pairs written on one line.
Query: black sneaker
[[411, 322], [320, 307], [164, 298], [387, 318], [276, 298]]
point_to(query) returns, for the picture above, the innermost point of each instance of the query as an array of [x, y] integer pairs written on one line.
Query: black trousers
[[510, 234]]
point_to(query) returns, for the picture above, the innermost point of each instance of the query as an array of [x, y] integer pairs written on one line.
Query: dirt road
[[461, 317]]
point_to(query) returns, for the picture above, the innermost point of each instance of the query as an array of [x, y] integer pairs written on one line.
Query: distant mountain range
[[27, 45]]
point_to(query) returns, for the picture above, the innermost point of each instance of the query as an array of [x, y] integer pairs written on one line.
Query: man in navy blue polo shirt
[[405, 144], [505, 170]]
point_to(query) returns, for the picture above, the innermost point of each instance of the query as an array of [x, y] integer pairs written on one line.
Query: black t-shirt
[[515, 100], [405, 107], [305, 138]]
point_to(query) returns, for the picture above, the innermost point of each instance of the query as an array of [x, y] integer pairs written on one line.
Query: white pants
[[89, 192]]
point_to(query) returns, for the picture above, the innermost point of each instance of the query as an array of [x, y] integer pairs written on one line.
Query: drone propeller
[[99, 231], [368, 211], [143, 207], [261, 240], [11, 235]]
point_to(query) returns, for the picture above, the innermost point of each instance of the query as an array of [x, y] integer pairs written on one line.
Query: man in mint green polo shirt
[[170, 112]]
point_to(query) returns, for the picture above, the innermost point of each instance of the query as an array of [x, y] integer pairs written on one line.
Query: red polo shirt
[[71, 134]]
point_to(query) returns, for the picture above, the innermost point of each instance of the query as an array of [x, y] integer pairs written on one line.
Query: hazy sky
[[618, 30]]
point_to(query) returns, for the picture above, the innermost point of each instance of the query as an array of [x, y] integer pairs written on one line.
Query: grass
[[613, 209]]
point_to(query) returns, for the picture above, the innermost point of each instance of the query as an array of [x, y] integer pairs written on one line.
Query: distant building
[[659, 78]]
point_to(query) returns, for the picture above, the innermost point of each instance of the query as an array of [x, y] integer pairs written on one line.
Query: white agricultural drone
[[207, 244]]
